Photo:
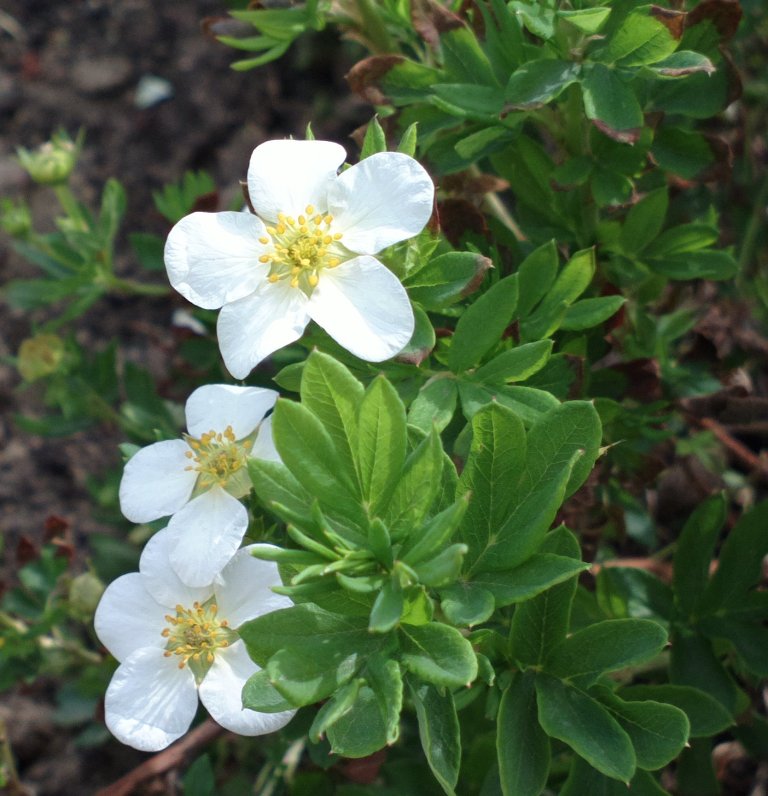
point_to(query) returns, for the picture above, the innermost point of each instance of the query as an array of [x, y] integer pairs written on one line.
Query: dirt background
[[80, 65]]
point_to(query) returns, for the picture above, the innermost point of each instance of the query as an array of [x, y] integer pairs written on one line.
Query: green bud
[[84, 594], [53, 162], [15, 219], [40, 356]]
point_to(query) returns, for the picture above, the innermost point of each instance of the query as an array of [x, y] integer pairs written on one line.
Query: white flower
[[174, 642], [199, 479], [307, 254]]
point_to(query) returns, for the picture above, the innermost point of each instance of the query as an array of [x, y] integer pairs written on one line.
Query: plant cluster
[[440, 351]]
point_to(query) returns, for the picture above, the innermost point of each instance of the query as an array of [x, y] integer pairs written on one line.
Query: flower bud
[[40, 356], [15, 219], [84, 594], [53, 162]]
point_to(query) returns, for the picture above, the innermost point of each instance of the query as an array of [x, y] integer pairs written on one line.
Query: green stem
[[754, 226], [70, 205], [374, 27], [135, 287], [12, 783]]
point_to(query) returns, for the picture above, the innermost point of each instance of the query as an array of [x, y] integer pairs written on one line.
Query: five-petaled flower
[[174, 642], [306, 254], [199, 479]]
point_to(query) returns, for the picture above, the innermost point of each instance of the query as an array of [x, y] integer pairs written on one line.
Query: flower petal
[[244, 590], [363, 306], [128, 618], [213, 258], [386, 198], [159, 578], [213, 407], [286, 176], [251, 329], [208, 531], [156, 482], [150, 701], [220, 693], [264, 444]]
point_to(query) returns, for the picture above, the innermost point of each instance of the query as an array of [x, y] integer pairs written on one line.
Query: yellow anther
[[281, 229], [265, 258], [310, 210], [272, 231], [328, 219], [337, 236], [264, 239], [313, 280], [327, 239], [302, 220]]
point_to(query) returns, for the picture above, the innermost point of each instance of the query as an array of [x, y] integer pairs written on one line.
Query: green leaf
[[587, 20], [417, 488], [309, 453], [387, 608], [445, 279], [541, 623], [572, 281], [658, 732], [539, 573], [516, 364], [334, 395], [381, 442], [360, 730], [749, 639], [466, 604], [682, 63], [694, 663], [434, 405], [276, 488], [522, 746], [259, 694], [528, 403], [338, 705], [468, 99], [536, 276], [482, 324], [374, 141], [113, 203], [439, 733], [639, 40], [696, 265], [611, 103], [629, 592], [644, 221], [408, 140], [305, 679], [463, 58], [573, 427], [199, 778], [605, 647], [385, 680], [590, 312], [583, 779], [694, 552], [538, 82], [437, 654], [442, 569], [422, 341], [571, 716], [496, 459], [740, 561], [683, 238], [423, 543], [291, 627], [705, 714]]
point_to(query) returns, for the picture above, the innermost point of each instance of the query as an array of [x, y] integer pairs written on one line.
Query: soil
[[83, 65]]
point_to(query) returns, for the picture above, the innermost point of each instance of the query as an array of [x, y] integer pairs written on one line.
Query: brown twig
[[164, 761], [662, 569], [736, 448]]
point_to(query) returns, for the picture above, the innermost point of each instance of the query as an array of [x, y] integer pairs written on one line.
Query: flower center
[[195, 634], [302, 247], [217, 457]]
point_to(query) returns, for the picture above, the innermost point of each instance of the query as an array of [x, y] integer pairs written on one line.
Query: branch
[[170, 758]]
